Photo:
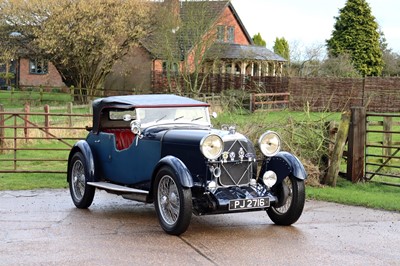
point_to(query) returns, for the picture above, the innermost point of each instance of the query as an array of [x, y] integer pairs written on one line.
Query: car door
[[132, 165]]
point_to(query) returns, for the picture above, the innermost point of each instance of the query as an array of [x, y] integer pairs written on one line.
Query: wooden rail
[[270, 101], [52, 133]]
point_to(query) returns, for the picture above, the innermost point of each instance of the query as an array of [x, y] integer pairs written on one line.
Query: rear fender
[[83, 147], [284, 164]]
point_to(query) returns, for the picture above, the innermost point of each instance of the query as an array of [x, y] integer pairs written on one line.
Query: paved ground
[[44, 228]]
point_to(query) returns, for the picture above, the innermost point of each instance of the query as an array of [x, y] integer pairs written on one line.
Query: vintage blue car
[[162, 149]]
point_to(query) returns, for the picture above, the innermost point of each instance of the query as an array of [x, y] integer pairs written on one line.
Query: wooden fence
[[217, 83], [317, 94], [55, 134], [269, 101], [339, 94]]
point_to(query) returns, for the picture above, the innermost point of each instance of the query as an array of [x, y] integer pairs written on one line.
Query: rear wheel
[[82, 194], [173, 202], [291, 194]]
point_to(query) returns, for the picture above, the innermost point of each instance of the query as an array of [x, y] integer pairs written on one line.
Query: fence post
[[252, 102], [90, 104], [387, 138], [15, 142], [72, 92], [356, 146], [2, 135], [41, 93], [333, 170], [27, 109], [46, 120], [69, 111]]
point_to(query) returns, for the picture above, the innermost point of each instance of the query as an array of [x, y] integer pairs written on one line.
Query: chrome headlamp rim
[[270, 134], [206, 153]]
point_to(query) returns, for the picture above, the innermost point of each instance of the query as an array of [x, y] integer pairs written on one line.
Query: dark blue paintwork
[[84, 148], [180, 169], [185, 145], [284, 164], [130, 166]]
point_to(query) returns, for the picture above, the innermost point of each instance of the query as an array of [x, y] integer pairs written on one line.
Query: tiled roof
[[212, 8], [237, 51]]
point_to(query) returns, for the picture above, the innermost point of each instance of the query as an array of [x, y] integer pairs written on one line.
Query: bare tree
[[6, 57], [184, 40], [305, 61], [340, 66]]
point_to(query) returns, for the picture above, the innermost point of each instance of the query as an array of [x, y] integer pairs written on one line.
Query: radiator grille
[[236, 168]]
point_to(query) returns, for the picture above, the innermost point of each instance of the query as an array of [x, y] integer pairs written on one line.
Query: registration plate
[[242, 204]]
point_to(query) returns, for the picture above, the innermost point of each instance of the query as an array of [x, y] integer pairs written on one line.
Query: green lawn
[[368, 194], [16, 99]]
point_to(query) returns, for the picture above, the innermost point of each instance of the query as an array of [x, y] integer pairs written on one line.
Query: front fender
[[83, 147], [180, 169], [284, 164]]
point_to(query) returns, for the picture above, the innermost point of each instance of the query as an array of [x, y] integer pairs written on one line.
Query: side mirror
[[214, 115], [135, 128]]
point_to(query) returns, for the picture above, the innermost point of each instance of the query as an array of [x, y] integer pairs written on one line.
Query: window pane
[[231, 34], [38, 66], [221, 33]]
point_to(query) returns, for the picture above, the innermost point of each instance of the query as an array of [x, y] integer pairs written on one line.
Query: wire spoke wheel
[[81, 193], [78, 180], [169, 200], [292, 194], [289, 199], [173, 203]]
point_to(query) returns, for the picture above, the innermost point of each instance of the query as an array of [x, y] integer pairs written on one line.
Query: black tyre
[[292, 197], [173, 203], [81, 193]]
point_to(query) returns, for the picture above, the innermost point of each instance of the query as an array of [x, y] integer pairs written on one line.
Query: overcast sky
[[310, 22]]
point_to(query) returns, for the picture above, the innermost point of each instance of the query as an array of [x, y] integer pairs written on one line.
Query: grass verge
[[31, 181], [369, 194]]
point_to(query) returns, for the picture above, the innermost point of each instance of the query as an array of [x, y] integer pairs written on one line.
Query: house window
[[221, 33], [170, 67], [38, 66], [231, 35]]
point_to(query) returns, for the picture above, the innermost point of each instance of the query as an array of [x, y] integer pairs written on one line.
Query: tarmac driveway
[[43, 227]]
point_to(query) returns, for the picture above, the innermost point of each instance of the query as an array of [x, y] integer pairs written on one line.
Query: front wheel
[[173, 202], [291, 194], [81, 193]]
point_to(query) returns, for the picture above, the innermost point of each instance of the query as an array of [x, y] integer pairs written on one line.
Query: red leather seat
[[123, 137]]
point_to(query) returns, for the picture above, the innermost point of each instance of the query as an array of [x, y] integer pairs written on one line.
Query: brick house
[[33, 72], [37, 72], [142, 69]]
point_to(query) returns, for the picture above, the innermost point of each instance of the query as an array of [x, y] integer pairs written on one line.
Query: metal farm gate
[[382, 148]]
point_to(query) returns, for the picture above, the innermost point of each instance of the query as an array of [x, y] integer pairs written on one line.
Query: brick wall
[[228, 19], [49, 80]]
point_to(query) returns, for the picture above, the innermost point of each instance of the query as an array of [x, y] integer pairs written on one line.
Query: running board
[[117, 188]]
